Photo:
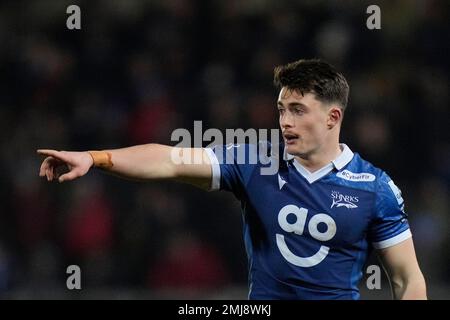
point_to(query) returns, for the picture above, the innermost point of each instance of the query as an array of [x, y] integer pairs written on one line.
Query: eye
[[281, 111], [299, 111]]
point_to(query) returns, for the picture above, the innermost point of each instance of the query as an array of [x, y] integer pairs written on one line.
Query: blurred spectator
[[188, 264], [430, 223], [89, 225]]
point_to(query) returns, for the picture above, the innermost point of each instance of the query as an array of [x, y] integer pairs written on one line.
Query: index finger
[[54, 153]]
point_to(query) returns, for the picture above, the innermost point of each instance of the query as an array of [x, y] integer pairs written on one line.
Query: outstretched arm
[[404, 274], [142, 162]]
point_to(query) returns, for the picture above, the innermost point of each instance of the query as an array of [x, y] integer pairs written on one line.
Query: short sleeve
[[390, 225], [233, 166]]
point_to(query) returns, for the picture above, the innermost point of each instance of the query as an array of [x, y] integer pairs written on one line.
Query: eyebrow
[[291, 104]]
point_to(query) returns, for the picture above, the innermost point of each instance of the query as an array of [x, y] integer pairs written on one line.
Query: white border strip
[[215, 180], [316, 175], [393, 241]]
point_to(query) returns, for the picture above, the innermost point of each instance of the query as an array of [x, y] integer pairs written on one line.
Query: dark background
[[137, 70]]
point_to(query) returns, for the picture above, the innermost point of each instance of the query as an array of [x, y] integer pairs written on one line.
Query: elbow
[[412, 287]]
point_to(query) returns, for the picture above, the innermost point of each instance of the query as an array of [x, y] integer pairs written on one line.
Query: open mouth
[[290, 138]]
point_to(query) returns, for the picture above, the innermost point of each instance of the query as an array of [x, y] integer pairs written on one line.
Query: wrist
[[101, 159]]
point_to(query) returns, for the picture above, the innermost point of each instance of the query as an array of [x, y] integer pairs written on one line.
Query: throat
[[317, 160]]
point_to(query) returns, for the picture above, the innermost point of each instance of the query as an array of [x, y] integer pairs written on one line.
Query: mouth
[[290, 138]]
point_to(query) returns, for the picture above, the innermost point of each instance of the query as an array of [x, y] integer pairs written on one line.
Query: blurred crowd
[[137, 70]]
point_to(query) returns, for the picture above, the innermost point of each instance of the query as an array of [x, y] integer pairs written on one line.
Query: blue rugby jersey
[[308, 235]]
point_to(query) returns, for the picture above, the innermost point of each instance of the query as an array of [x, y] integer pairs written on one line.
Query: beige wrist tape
[[102, 159]]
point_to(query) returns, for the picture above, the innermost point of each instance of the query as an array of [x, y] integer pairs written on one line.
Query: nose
[[286, 120]]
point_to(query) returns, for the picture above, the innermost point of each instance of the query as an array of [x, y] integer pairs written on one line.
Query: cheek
[[307, 125], [313, 128]]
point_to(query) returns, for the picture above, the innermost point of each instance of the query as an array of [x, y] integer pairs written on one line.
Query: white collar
[[340, 162]]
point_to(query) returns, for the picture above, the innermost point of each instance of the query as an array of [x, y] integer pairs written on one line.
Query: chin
[[297, 150], [294, 150]]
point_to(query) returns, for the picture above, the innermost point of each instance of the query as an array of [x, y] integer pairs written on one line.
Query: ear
[[335, 114]]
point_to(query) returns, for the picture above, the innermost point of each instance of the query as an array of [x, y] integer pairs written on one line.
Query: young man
[[309, 228]]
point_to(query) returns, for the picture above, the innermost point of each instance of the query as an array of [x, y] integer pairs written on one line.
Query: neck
[[320, 157]]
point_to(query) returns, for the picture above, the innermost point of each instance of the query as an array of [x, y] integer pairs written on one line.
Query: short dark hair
[[313, 76]]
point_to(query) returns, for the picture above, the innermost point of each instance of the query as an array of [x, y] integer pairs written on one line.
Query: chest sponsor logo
[[357, 177], [342, 200], [298, 227]]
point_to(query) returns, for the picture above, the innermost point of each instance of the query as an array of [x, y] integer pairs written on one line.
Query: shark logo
[[341, 200]]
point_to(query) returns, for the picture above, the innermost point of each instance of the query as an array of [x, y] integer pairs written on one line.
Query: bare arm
[[142, 162], [401, 265]]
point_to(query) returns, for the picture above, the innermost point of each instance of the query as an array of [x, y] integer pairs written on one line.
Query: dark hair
[[313, 76]]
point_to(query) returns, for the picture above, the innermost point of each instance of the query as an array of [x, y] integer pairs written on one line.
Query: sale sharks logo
[[341, 200]]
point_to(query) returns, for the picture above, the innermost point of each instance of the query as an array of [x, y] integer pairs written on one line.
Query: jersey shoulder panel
[[359, 174], [362, 174], [236, 163]]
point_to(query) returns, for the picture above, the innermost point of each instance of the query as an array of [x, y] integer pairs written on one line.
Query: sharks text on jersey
[[341, 200]]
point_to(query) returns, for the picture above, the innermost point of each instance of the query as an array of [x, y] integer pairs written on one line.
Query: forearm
[[155, 161], [142, 162]]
